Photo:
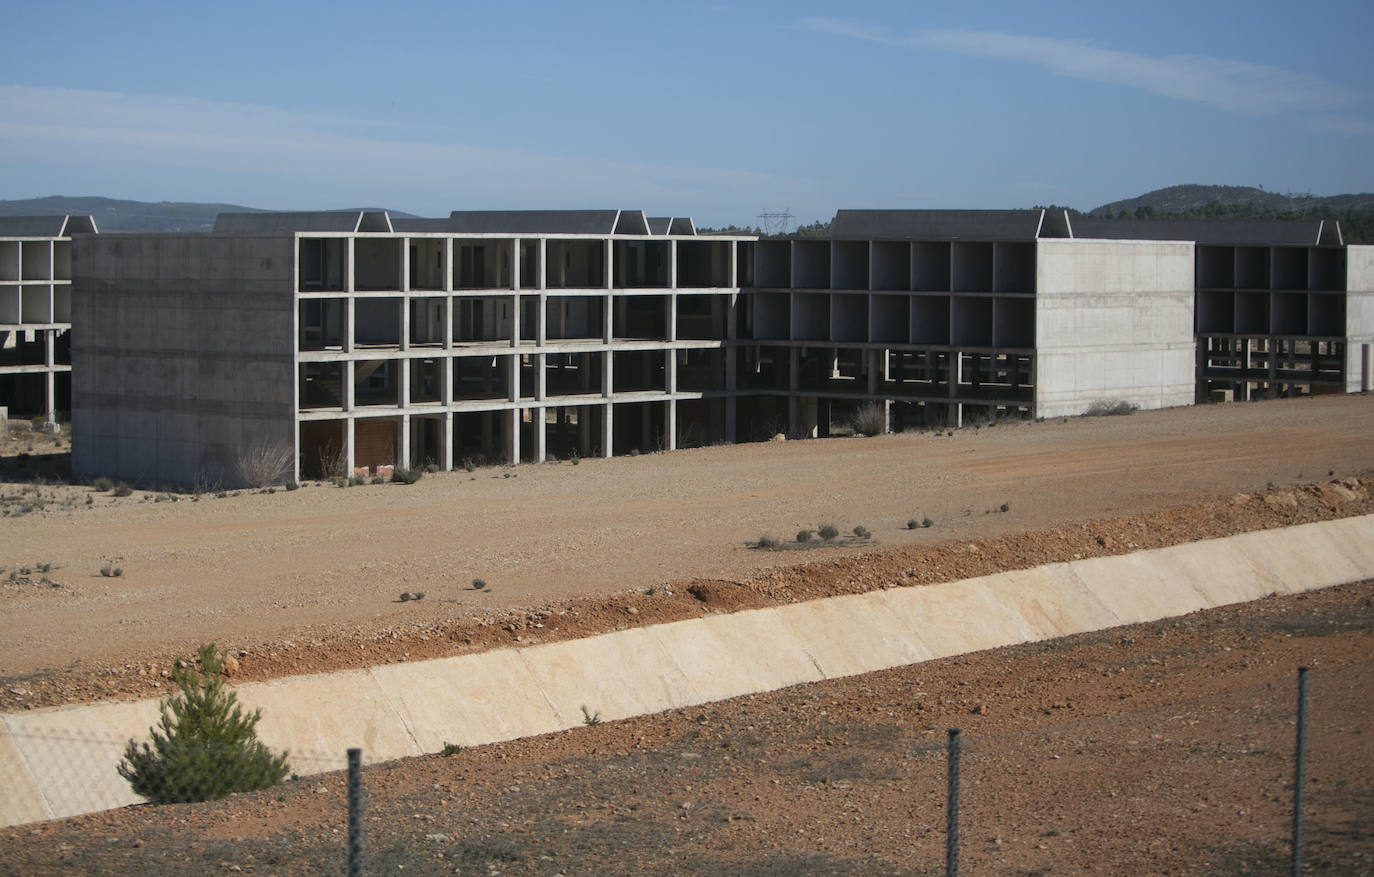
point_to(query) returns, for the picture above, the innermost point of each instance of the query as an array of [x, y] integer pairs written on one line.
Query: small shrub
[[1111, 408], [870, 419], [264, 463], [407, 476], [450, 749], [405, 596], [862, 532], [205, 746], [803, 535], [768, 542], [110, 571], [927, 522], [590, 719], [377, 479], [478, 584], [102, 484], [122, 489], [293, 485], [468, 465], [912, 524], [828, 532], [1004, 507]]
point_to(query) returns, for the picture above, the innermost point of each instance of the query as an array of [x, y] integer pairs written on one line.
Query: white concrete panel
[[21, 800], [1220, 571], [628, 673], [1053, 600], [724, 656], [1139, 587], [303, 714], [1296, 561], [846, 636], [958, 617], [1356, 538], [468, 700]]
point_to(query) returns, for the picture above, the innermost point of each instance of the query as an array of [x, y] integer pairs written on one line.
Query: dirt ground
[[311, 579], [1163, 748]]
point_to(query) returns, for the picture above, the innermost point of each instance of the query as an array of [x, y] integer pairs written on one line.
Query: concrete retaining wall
[[61, 762]]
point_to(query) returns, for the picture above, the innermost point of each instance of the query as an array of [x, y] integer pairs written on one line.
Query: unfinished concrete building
[[1284, 308], [35, 313], [356, 343]]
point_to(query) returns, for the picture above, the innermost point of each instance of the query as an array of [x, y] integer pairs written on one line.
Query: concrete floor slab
[[1139, 587], [725, 656], [1053, 600], [468, 700], [22, 801], [627, 673], [827, 629]]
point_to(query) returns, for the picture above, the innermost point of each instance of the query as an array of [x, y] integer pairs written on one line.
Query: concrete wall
[[185, 357], [1359, 318], [1113, 320]]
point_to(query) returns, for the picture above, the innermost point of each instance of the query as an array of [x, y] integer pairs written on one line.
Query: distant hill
[[115, 215], [1355, 213]]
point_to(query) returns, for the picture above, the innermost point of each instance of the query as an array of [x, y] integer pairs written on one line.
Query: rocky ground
[[1162, 748]]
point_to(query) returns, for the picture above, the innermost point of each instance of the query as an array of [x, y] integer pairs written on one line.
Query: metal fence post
[[1299, 770], [952, 808], [355, 813]]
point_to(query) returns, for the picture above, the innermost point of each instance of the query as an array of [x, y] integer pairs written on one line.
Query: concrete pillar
[[350, 318], [539, 424], [405, 322], [543, 263], [515, 264], [610, 264], [347, 369], [350, 461], [513, 436], [403, 455], [446, 442], [348, 266], [49, 360], [403, 382], [403, 282], [448, 265], [540, 376], [607, 425], [670, 427], [672, 316]]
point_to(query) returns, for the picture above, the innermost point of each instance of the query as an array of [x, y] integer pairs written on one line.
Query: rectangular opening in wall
[[320, 323], [427, 268], [1215, 267], [1326, 268], [972, 266], [374, 442], [929, 319], [849, 316], [527, 366], [639, 371], [1288, 314], [480, 438], [890, 265], [529, 264], [833, 370], [972, 322], [700, 422], [810, 316], [377, 264], [481, 319], [9, 260], [701, 317], [1216, 312], [322, 264], [763, 368], [771, 315], [773, 268], [811, 264], [575, 318], [703, 264], [889, 319], [378, 321], [1326, 315], [529, 319], [62, 304], [377, 382], [426, 377], [427, 441], [1252, 267], [700, 370], [849, 264], [322, 449], [641, 264], [1289, 267], [321, 385], [62, 260], [640, 427], [1252, 313], [37, 260], [573, 374], [1014, 267], [481, 377], [25, 347], [427, 321], [744, 263], [483, 264], [930, 266], [1013, 322], [640, 317], [575, 264], [35, 304], [9, 305]]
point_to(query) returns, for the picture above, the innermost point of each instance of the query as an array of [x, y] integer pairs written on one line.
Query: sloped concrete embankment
[[61, 762]]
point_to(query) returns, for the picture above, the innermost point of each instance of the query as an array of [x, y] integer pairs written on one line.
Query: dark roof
[[937, 225], [418, 224], [54, 226], [676, 225], [321, 220], [1223, 232], [532, 221]]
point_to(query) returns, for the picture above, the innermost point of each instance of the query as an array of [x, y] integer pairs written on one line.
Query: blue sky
[[712, 109]]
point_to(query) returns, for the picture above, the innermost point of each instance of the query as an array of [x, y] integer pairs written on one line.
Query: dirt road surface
[[324, 562]]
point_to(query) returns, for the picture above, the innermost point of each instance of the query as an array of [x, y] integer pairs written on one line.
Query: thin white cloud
[[1237, 86], [342, 159]]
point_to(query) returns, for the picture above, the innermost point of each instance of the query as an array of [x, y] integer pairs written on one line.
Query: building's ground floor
[[36, 371]]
